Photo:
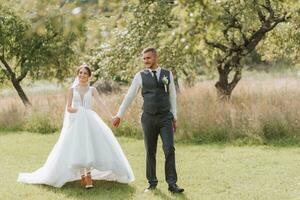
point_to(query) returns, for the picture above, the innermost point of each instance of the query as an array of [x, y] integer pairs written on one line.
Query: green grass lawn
[[205, 171]]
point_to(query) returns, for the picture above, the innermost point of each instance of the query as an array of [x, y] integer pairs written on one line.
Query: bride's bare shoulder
[[94, 90]]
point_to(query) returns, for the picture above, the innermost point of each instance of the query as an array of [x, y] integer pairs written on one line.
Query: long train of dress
[[85, 142]]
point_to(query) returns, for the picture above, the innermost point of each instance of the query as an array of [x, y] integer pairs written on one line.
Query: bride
[[86, 147]]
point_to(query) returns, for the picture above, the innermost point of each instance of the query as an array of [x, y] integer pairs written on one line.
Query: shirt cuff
[[175, 116], [119, 115]]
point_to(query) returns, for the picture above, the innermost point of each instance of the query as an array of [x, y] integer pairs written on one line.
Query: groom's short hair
[[149, 49]]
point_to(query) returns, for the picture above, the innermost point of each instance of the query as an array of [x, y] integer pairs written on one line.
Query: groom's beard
[[148, 65], [151, 66]]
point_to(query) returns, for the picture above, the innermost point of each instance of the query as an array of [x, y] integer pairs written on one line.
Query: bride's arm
[[102, 104], [69, 104]]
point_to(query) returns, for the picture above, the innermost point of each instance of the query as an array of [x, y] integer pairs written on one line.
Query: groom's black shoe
[[175, 189], [150, 188]]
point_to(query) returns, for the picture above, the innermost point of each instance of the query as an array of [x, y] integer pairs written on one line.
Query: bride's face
[[83, 75]]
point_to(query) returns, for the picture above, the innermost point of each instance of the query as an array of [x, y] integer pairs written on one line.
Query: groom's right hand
[[116, 121]]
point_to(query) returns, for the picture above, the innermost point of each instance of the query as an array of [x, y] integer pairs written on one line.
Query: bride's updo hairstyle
[[85, 66]]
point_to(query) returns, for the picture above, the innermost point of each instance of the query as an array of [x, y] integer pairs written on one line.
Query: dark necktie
[[156, 81]]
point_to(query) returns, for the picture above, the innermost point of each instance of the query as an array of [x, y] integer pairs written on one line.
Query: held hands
[[116, 121]]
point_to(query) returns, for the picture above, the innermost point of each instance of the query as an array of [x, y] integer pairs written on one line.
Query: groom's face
[[150, 59]]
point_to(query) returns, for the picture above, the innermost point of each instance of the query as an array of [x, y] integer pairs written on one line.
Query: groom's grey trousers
[[154, 125]]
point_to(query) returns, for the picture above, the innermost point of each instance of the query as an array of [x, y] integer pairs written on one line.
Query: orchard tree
[[144, 23], [194, 37], [227, 31], [118, 57], [39, 47], [283, 43]]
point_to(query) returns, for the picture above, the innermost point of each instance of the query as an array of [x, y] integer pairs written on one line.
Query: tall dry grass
[[260, 111]]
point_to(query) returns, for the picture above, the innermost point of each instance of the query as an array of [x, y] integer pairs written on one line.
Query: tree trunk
[[224, 87], [236, 49], [21, 92], [16, 83]]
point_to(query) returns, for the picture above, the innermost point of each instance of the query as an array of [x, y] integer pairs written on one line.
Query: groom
[[158, 118]]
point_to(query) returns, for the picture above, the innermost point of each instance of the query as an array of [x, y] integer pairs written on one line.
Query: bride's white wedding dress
[[85, 142]]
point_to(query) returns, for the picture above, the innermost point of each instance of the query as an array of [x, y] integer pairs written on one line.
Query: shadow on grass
[[101, 190], [162, 195]]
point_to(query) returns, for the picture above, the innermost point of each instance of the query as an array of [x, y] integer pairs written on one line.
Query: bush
[[211, 134], [129, 129], [280, 132], [40, 123], [275, 129]]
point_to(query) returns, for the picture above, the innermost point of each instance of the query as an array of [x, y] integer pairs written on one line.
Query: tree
[[39, 47], [194, 37], [148, 23], [231, 30], [283, 43]]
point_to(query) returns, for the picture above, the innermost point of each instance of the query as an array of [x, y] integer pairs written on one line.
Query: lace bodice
[[84, 100]]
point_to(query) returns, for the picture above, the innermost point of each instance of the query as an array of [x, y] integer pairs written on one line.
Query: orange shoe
[[82, 181], [88, 181]]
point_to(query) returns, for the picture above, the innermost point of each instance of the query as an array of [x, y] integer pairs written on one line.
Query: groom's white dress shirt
[[137, 84]]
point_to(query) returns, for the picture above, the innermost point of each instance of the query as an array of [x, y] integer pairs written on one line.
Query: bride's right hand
[[72, 110]]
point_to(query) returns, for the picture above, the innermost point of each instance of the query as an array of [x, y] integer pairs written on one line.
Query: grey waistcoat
[[156, 99]]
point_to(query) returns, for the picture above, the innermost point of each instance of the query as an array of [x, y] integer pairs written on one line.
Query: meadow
[[263, 109], [245, 148], [207, 172]]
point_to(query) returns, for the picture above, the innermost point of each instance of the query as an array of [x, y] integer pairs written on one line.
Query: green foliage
[[180, 29], [40, 51], [282, 44], [277, 129], [118, 31], [221, 30], [148, 23]]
